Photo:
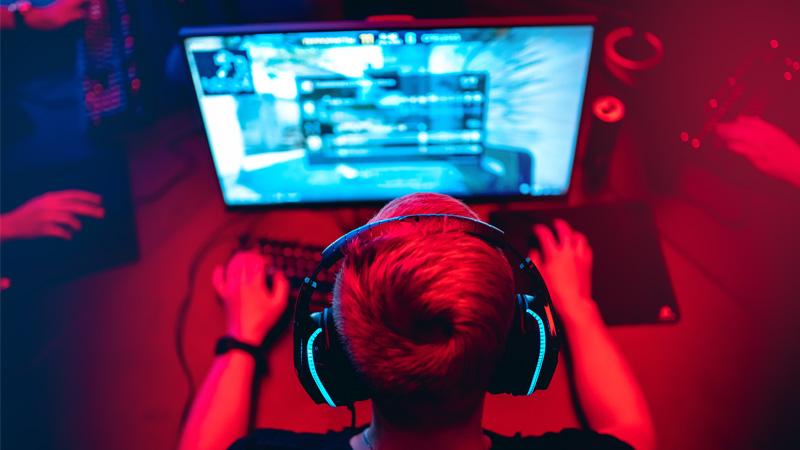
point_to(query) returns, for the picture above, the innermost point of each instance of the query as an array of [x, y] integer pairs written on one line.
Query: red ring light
[[614, 57]]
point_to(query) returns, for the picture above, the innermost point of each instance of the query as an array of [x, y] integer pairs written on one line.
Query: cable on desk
[[185, 305], [189, 164]]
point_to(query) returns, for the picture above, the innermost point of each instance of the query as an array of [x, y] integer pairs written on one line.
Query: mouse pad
[[630, 281]]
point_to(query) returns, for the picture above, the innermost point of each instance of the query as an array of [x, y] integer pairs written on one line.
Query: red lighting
[[787, 76], [773, 43], [609, 109], [666, 314], [796, 65], [695, 143], [129, 42], [136, 84], [550, 320], [713, 103], [684, 136], [731, 81]]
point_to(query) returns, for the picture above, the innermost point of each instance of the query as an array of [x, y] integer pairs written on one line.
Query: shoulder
[[570, 438], [269, 439]]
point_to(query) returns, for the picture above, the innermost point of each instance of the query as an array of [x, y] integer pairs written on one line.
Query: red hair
[[424, 313]]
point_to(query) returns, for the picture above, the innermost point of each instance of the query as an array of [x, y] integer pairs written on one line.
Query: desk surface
[[720, 378]]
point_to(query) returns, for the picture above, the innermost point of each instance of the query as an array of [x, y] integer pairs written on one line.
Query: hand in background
[[766, 146], [56, 15], [251, 308], [53, 214], [566, 265]]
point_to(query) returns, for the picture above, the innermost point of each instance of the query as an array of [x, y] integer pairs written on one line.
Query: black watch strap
[[228, 343]]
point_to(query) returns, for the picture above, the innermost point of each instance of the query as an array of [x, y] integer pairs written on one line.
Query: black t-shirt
[[568, 439]]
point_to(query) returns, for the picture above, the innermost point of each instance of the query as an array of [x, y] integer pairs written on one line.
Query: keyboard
[[296, 260]]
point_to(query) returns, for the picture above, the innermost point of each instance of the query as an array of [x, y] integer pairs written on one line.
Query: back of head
[[424, 313]]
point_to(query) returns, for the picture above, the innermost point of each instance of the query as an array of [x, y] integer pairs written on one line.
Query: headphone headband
[[531, 354], [489, 233]]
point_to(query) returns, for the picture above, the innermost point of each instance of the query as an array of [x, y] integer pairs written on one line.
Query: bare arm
[[608, 392], [219, 414]]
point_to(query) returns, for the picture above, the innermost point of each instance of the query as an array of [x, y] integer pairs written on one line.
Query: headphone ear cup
[[507, 376], [330, 367], [311, 358], [519, 367]]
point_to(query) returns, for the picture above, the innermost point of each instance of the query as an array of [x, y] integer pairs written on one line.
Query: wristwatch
[[228, 343], [19, 9]]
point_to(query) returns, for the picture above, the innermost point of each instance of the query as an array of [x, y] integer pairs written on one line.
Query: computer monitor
[[347, 112]]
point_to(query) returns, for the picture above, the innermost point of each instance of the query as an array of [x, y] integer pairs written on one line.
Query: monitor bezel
[[389, 24]]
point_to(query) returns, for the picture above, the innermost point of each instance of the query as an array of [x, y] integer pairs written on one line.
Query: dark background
[[91, 363]]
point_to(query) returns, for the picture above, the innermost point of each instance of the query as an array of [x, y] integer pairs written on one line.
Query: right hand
[[56, 15], [565, 264], [53, 214]]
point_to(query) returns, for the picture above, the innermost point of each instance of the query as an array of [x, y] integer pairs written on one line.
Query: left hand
[[252, 309], [56, 15], [55, 214]]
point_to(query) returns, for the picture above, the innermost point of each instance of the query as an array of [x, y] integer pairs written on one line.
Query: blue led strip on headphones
[[541, 351], [313, 369]]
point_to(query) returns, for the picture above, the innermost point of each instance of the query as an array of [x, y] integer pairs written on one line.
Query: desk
[[107, 371]]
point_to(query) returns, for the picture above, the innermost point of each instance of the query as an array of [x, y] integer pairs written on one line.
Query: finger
[[753, 121], [234, 269], [546, 239], [82, 209], [55, 231], [80, 9], [566, 236], [218, 279], [741, 147], [535, 257], [723, 129], [582, 249], [259, 269], [732, 131], [253, 266], [78, 195], [76, 13], [66, 220], [280, 287]]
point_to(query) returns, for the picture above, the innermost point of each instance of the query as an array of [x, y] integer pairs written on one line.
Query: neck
[[383, 434]]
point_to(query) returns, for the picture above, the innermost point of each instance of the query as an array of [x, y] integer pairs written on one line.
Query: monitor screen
[[349, 115]]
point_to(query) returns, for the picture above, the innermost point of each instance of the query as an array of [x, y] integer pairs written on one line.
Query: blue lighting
[[541, 350], [313, 368]]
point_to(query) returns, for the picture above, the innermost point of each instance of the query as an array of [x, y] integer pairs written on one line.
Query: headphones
[[527, 363]]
